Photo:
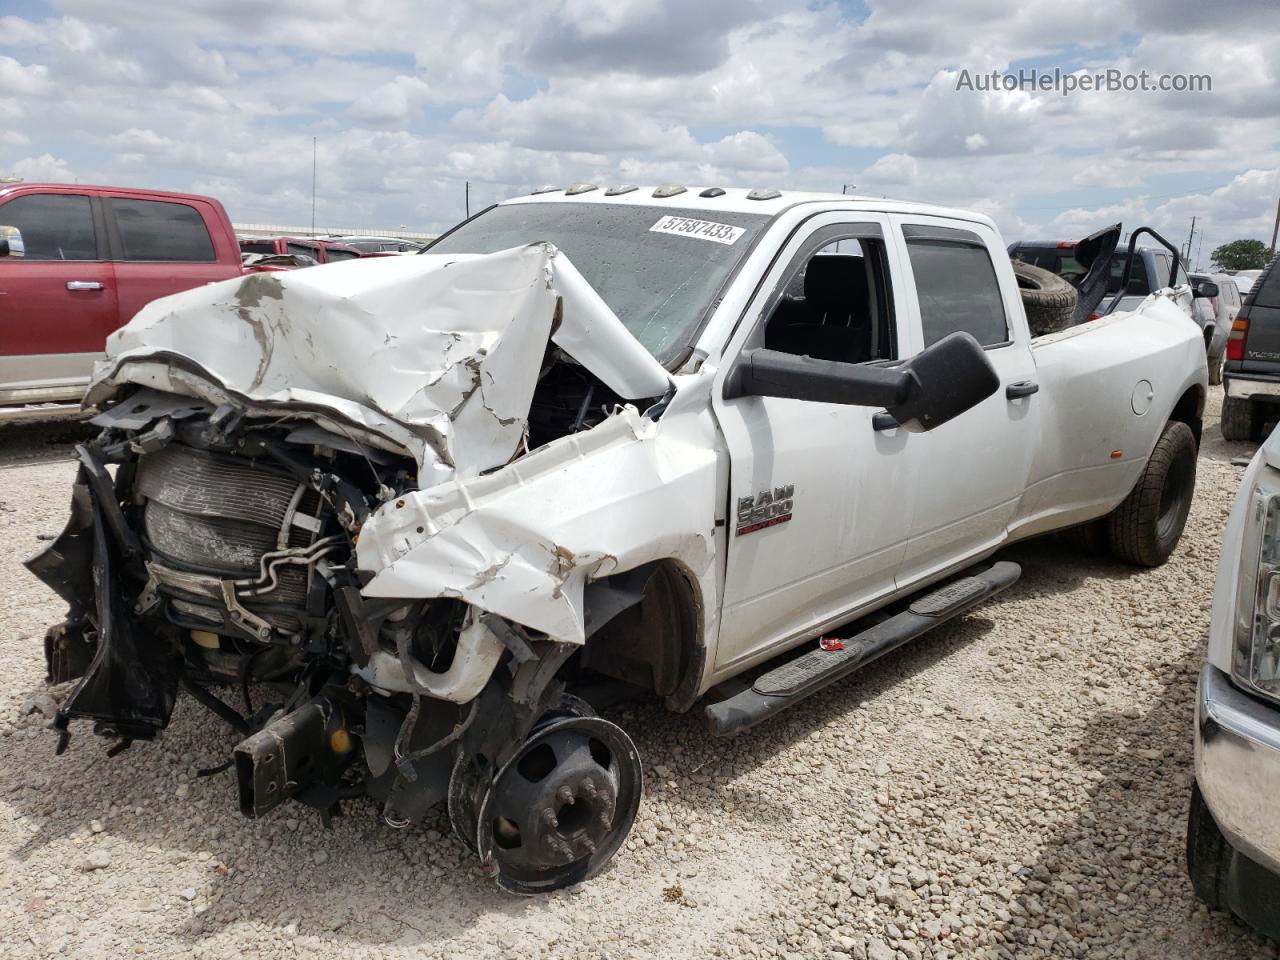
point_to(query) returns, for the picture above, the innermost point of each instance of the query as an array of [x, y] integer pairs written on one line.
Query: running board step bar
[[808, 673]]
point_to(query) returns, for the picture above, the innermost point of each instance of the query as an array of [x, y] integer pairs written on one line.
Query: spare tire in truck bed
[[1048, 300]]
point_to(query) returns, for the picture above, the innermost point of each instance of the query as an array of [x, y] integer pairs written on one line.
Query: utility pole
[[847, 187], [1275, 230], [1199, 249], [313, 186], [1190, 239], [468, 199]]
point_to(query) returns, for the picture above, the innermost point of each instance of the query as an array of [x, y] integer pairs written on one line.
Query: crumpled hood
[[435, 355]]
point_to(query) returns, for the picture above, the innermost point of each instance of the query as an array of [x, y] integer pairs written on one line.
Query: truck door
[[57, 301], [969, 474], [819, 500], [161, 247]]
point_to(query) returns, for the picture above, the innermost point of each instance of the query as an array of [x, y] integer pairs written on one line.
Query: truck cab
[[76, 263]]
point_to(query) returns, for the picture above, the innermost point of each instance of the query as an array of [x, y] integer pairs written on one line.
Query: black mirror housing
[[947, 378], [1205, 289], [771, 373], [936, 385]]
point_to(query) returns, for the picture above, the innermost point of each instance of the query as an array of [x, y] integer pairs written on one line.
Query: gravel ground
[[1013, 786]]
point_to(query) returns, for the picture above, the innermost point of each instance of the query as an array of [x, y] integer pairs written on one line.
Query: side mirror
[[1204, 289], [11, 244], [936, 385]]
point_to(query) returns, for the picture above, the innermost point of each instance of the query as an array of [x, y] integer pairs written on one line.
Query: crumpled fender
[[523, 542]]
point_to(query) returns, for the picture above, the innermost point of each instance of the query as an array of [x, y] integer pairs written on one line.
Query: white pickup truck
[[415, 514]]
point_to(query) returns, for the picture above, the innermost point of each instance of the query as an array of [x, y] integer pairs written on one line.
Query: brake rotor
[[557, 811]]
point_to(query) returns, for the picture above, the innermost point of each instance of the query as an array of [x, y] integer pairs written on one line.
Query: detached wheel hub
[[559, 810]]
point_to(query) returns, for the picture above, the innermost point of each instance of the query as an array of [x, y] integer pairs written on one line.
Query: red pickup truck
[[76, 263]]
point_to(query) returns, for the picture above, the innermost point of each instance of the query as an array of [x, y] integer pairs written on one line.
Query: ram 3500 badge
[[401, 522], [768, 508]]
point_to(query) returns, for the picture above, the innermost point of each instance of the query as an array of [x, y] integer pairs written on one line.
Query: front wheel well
[[1190, 410], [652, 637]]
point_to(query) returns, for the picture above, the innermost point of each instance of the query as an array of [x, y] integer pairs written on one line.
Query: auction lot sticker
[[701, 229]]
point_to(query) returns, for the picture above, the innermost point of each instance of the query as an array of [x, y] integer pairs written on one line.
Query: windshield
[[657, 268]]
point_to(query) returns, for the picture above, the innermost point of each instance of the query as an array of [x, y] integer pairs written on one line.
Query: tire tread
[[1132, 526], [1238, 418]]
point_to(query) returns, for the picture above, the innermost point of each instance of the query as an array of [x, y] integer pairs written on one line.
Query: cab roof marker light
[[548, 188], [763, 195], [712, 192], [577, 188], [669, 190], [620, 190]]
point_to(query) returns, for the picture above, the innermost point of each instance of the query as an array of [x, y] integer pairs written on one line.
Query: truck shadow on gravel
[[33, 443], [1123, 854]]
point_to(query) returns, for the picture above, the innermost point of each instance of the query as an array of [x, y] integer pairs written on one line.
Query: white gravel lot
[[1014, 785]]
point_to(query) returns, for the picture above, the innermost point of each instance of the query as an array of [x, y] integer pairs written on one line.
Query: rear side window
[[303, 250], [54, 226], [1266, 292], [157, 230], [336, 254], [255, 247], [1059, 261], [1138, 274], [957, 289]]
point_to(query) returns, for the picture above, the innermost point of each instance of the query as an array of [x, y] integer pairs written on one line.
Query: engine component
[[302, 752], [235, 539]]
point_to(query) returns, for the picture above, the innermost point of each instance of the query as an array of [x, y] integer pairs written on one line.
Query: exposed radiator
[[216, 514]]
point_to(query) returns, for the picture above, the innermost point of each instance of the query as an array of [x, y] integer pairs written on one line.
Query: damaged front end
[[262, 547]]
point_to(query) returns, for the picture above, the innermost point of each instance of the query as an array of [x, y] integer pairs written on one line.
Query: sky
[[407, 101]]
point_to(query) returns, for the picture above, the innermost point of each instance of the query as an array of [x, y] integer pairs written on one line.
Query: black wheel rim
[[559, 810]]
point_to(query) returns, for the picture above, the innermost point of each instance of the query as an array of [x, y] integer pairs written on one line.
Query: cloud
[[391, 102], [43, 168], [19, 78], [662, 37], [409, 100]]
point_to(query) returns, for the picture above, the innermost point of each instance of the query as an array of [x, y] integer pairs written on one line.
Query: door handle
[[1023, 388], [883, 421], [84, 285]]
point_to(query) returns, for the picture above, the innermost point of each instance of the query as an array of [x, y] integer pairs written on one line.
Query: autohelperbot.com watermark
[[1104, 81]]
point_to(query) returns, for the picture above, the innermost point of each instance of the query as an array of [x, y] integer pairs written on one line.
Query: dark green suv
[[1251, 376]]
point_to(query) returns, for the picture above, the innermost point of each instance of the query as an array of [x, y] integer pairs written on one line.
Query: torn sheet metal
[[437, 355], [523, 542]]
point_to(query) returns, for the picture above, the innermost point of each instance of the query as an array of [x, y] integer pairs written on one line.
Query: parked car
[[649, 442], [76, 263], [320, 251], [1233, 837], [263, 262], [379, 244], [1251, 374], [1222, 310], [1246, 279]]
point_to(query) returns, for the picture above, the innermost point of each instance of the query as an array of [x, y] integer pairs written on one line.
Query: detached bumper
[[1238, 770]]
